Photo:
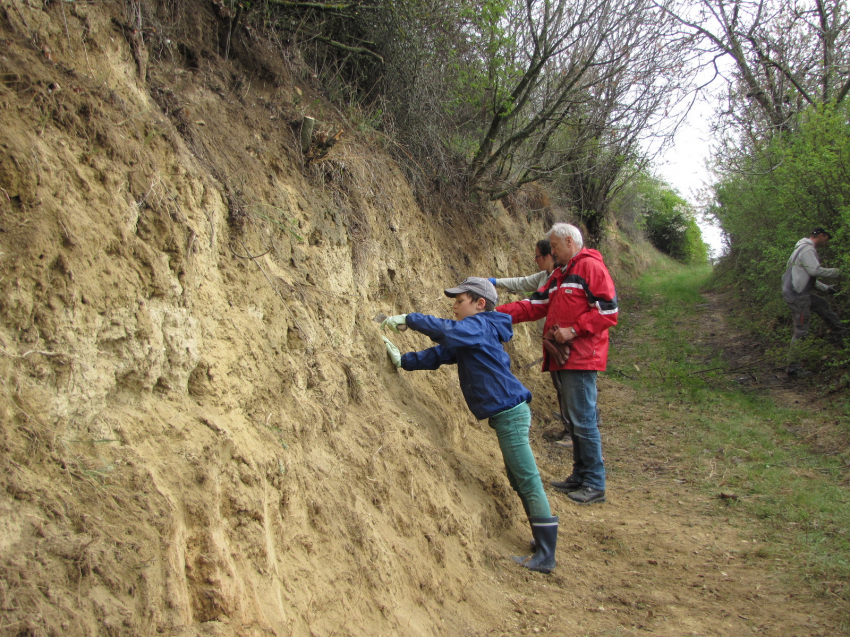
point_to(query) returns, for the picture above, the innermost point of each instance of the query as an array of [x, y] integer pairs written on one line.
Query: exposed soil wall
[[201, 433]]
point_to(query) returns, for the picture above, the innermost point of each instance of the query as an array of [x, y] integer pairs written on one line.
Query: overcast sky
[[683, 165]]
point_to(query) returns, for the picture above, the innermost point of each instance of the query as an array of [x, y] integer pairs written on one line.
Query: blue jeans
[[512, 427], [578, 400]]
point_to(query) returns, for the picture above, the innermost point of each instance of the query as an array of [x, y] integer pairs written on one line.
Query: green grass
[[735, 441]]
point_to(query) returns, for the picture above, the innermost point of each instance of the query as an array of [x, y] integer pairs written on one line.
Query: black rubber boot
[[545, 532]]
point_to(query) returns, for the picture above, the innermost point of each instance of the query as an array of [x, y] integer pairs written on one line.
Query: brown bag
[[560, 352]]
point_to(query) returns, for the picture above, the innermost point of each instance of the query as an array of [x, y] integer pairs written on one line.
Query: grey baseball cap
[[481, 287]]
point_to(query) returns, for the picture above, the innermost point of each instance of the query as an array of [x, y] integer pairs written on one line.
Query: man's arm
[[602, 297], [823, 287], [808, 260], [525, 310], [533, 308]]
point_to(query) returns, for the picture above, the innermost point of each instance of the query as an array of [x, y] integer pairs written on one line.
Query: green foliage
[[666, 219], [797, 182], [444, 65], [671, 227]]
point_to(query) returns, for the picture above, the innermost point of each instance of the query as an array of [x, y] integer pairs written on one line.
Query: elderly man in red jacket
[[580, 304]]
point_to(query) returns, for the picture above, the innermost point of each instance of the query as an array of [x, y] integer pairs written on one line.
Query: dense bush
[[797, 182], [671, 227], [650, 207]]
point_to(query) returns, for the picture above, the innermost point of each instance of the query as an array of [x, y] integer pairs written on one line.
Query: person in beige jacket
[[799, 280]]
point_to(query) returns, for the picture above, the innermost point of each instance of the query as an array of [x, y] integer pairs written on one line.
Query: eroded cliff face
[[201, 433]]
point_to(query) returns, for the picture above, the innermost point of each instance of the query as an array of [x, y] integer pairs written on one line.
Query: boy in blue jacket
[[474, 343]]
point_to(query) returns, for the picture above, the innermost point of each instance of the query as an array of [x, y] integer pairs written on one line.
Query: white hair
[[564, 230]]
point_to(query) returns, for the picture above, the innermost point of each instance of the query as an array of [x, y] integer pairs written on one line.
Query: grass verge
[[766, 462]]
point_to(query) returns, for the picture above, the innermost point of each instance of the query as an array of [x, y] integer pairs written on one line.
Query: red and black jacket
[[580, 295]]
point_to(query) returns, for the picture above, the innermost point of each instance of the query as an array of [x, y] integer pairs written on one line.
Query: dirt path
[[660, 557], [747, 364], [755, 373]]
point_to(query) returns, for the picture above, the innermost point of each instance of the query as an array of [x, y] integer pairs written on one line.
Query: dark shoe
[[568, 485], [587, 495], [545, 532], [798, 372]]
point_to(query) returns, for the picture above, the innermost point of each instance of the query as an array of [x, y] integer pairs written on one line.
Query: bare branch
[[349, 49], [321, 6]]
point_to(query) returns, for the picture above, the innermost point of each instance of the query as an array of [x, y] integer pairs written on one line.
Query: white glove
[[392, 350], [393, 322]]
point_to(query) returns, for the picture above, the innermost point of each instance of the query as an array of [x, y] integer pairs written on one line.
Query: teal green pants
[[512, 427]]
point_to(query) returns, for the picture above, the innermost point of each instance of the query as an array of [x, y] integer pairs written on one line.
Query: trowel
[[380, 318]]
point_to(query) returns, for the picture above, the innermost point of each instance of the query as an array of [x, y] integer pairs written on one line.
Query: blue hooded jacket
[[483, 366]]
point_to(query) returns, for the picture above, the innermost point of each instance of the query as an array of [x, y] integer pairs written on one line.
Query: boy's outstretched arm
[[395, 323], [446, 332], [430, 358]]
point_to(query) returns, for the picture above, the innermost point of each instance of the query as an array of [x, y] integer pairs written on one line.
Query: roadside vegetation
[[783, 461], [796, 182], [781, 147], [650, 209], [555, 106], [561, 105]]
